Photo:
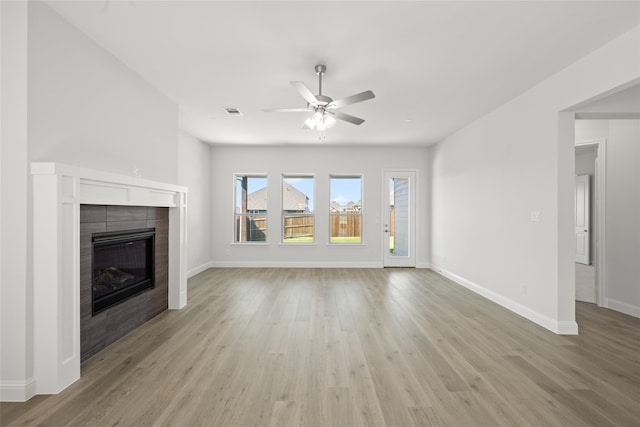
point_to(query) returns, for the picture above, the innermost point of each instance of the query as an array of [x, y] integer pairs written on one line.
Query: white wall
[[16, 337], [589, 130], [321, 161], [618, 103], [489, 177], [623, 214], [622, 230], [586, 163], [64, 99], [87, 108], [194, 171]]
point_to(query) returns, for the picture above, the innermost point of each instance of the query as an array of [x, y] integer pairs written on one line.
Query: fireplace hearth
[[123, 266]]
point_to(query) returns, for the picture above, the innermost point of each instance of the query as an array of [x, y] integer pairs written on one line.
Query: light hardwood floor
[[350, 347]]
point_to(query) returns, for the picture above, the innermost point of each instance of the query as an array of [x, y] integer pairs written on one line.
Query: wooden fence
[[344, 224], [251, 228], [298, 226]]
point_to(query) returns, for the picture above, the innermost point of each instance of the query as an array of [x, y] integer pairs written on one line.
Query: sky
[[343, 189]]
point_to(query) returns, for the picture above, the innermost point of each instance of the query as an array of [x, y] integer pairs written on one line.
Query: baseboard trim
[[557, 326], [423, 265], [623, 307], [199, 269], [566, 327], [17, 391], [289, 264]]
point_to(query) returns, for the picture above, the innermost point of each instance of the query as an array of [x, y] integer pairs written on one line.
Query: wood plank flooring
[[350, 347]]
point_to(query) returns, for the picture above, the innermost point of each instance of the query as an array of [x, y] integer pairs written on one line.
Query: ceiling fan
[[324, 108]]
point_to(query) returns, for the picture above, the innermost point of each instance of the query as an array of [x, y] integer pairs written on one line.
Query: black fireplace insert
[[123, 266]]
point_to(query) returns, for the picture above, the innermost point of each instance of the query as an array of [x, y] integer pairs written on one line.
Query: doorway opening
[[614, 116], [589, 198]]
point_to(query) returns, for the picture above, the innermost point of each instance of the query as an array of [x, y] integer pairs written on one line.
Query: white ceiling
[[438, 64]]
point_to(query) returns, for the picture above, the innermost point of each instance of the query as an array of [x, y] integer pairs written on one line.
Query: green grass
[[301, 239], [309, 239], [354, 239]]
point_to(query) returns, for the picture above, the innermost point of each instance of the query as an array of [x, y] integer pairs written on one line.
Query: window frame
[[339, 215], [234, 237], [311, 213]]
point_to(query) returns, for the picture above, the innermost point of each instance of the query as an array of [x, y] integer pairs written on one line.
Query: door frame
[[413, 210], [600, 181]]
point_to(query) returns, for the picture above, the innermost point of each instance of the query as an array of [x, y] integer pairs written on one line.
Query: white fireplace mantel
[[58, 192]]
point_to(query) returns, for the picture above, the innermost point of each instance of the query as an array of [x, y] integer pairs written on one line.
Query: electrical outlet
[[135, 171], [536, 216], [523, 286]]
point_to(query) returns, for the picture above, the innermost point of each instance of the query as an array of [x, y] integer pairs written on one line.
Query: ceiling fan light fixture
[[329, 121], [317, 117], [309, 123]]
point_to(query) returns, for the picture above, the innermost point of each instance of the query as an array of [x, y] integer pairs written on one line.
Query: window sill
[[252, 244], [297, 244]]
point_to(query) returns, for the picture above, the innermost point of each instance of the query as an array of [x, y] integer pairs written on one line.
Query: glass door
[[399, 218]]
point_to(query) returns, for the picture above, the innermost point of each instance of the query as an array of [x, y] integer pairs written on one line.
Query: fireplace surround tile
[[125, 225], [126, 213], [93, 213], [101, 330]]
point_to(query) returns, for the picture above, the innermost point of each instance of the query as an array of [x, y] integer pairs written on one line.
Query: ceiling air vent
[[233, 111]]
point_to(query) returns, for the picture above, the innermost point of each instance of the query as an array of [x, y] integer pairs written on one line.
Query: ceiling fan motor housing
[[323, 100]]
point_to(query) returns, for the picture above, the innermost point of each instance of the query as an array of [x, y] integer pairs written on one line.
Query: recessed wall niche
[[102, 329]]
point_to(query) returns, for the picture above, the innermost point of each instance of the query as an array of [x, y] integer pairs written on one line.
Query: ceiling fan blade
[[286, 110], [305, 92], [346, 117], [359, 97]]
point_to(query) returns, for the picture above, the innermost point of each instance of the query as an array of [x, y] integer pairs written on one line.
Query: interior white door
[[582, 208], [399, 190]]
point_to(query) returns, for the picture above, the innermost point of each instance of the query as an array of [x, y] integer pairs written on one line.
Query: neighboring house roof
[[349, 207], [257, 201], [293, 199]]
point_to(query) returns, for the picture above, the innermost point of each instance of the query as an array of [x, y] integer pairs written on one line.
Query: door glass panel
[[399, 217]]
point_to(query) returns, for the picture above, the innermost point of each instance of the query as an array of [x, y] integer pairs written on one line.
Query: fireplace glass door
[[122, 266]]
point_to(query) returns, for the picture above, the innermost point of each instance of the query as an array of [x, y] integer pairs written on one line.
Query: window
[[250, 208], [345, 210], [297, 209]]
